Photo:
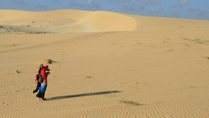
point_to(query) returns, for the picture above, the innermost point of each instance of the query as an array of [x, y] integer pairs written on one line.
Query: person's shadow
[[82, 95]]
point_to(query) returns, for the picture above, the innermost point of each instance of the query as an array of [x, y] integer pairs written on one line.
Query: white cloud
[[184, 2], [89, 1], [149, 1], [157, 0]]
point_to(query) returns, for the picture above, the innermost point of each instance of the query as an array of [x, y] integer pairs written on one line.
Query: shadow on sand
[[82, 95]]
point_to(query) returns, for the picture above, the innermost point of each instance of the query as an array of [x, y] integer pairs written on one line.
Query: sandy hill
[[66, 21], [103, 65], [84, 21]]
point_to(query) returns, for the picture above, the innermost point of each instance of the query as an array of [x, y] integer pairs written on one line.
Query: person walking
[[42, 90], [38, 79]]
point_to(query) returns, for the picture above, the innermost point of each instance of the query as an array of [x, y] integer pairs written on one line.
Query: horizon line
[[106, 11]]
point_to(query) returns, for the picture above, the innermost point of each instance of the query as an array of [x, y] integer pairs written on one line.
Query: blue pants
[[42, 91], [43, 88]]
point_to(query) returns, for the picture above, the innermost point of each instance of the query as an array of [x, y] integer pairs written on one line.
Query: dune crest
[[62, 21], [108, 21]]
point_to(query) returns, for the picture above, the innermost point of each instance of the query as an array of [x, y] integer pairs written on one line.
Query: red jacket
[[43, 74]]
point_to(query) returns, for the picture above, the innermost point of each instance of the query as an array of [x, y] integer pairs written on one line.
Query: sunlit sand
[[103, 65]]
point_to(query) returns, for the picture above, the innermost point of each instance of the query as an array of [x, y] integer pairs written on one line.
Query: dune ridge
[[66, 21]]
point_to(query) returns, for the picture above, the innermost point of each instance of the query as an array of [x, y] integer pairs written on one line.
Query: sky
[[188, 9]]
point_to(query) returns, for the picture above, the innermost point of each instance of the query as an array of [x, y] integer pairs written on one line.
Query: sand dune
[[103, 65], [66, 21], [107, 21]]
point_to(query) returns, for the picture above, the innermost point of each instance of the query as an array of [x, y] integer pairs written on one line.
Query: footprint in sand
[[17, 71], [5, 104], [169, 50], [88, 77], [192, 86], [114, 43], [36, 110]]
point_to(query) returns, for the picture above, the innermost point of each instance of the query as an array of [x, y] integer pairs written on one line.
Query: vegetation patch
[[130, 102], [50, 61], [197, 40], [17, 71]]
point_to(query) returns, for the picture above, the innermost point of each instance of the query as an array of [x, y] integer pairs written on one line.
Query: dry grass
[[130, 102]]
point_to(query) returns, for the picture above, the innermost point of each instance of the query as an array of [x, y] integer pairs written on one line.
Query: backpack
[[39, 78]]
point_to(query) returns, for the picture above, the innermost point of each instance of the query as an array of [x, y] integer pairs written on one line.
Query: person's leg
[[39, 95], [41, 91], [44, 92], [37, 87]]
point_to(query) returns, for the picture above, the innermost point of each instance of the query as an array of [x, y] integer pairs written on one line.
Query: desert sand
[[104, 65]]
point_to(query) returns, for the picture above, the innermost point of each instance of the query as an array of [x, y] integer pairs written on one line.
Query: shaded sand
[[156, 68]]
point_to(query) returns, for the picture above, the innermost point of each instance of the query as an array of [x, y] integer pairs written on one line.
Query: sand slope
[[107, 21], [157, 68], [66, 21]]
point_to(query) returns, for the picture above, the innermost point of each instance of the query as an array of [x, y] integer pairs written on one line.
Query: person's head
[[46, 67], [41, 66]]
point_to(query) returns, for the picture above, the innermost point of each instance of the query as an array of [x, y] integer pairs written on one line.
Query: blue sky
[[189, 9]]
